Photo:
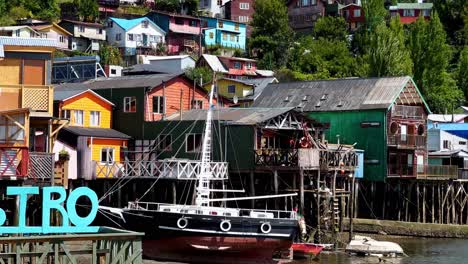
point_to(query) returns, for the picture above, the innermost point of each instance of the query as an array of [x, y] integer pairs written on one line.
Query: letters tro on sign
[[54, 197]]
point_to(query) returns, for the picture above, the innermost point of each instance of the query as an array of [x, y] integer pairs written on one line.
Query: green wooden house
[[386, 117]]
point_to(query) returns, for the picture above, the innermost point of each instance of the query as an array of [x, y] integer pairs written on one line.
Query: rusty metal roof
[[334, 95], [245, 116]]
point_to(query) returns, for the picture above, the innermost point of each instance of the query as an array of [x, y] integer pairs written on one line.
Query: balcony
[[405, 111], [405, 141], [276, 157], [423, 172], [39, 98]]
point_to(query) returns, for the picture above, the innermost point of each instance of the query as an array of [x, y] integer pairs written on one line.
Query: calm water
[[419, 250]]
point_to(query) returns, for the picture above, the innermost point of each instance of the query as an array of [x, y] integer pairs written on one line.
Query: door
[[403, 132], [34, 72], [145, 40]]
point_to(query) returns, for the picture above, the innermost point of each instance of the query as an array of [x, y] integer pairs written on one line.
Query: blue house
[[225, 33]]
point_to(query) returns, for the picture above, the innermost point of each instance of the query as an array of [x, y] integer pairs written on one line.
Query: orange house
[[94, 148]]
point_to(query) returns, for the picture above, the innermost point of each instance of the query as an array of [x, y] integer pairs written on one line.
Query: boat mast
[[203, 188]]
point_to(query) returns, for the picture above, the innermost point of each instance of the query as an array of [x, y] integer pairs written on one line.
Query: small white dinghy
[[363, 245]]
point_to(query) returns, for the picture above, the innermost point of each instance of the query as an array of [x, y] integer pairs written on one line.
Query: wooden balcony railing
[[399, 170], [107, 170], [39, 98], [276, 157], [405, 111], [436, 172], [407, 141]]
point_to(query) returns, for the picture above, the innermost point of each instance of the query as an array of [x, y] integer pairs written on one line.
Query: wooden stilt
[[174, 192], [432, 204], [417, 203], [424, 203], [301, 191], [275, 185], [252, 187], [439, 207]]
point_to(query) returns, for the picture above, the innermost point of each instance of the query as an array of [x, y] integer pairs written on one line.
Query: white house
[[212, 7], [171, 64], [19, 32], [134, 36], [440, 140]]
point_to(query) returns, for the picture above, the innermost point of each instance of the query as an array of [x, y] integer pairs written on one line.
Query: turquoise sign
[[53, 198]]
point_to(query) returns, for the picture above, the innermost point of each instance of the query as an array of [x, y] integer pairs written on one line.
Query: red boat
[[304, 250]]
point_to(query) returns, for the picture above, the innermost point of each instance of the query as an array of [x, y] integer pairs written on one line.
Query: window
[[95, 118], [107, 155], [426, 12], [236, 26], [408, 12], [61, 39], [113, 71], [220, 2], [237, 65], [179, 21], [224, 36], [193, 23], [17, 32], [231, 89], [244, 6], [138, 37], [193, 142], [232, 38], [462, 142], [248, 65], [197, 104], [220, 24], [81, 29], [305, 2], [164, 142], [243, 19], [99, 31], [130, 104], [313, 2], [118, 37], [78, 117], [237, 38], [357, 13], [158, 104], [446, 144], [211, 35], [144, 24], [66, 114], [131, 37]]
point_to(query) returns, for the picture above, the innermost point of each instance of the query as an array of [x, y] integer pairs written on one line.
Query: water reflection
[[419, 250]]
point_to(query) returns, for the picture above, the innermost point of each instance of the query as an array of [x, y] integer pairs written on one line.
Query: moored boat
[[304, 250]]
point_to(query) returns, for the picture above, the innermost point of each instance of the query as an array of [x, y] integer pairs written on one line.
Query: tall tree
[[387, 53], [331, 28], [452, 14], [462, 72], [271, 34], [88, 10], [431, 55]]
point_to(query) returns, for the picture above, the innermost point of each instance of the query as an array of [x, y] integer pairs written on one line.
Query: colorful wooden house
[[409, 12], [350, 10], [142, 100], [233, 67], [56, 32], [242, 92], [85, 36], [19, 32], [386, 117], [224, 33], [94, 148], [183, 32], [240, 11], [26, 96], [303, 14]]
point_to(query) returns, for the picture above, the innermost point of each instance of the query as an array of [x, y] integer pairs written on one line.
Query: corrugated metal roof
[[61, 95], [29, 42], [449, 153], [447, 118], [175, 57], [214, 63], [412, 6], [334, 95], [144, 68], [96, 132], [265, 73], [128, 24], [246, 116], [151, 81]]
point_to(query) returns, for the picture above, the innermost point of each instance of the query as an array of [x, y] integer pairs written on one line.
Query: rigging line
[[149, 189], [129, 178], [237, 166]]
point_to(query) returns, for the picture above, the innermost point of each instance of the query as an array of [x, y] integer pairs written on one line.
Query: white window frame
[[61, 38], [145, 24], [66, 114], [248, 65], [128, 104], [197, 104], [195, 150], [130, 37], [244, 6], [357, 13], [76, 117], [159, 105], [81, 28], [92, 118], [110, 153], [18, 32], [408, 12], [243, 19]]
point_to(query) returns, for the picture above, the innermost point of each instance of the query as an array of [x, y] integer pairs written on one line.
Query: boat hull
[[203, 236]]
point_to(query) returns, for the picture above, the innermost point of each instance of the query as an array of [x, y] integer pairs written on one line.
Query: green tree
[[110, 55], [374, 12], [387, 54], [431, 55], [88, 10], [462, 72], [331, 28], [454, 15], [271, 34], [202, 74]]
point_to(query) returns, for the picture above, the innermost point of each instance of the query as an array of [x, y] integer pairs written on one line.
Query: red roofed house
[[409, 12]]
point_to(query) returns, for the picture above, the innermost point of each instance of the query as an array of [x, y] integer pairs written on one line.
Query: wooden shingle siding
[[172, 94], [89, 102]]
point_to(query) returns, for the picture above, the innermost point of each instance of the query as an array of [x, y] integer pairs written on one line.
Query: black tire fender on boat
[[223, 226], [265, 228], [182, 222]]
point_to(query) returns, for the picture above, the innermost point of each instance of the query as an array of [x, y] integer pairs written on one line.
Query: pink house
[[183, 32]]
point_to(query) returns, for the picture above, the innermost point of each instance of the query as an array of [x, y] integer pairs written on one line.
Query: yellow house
[[95, 149], [242, 91]]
